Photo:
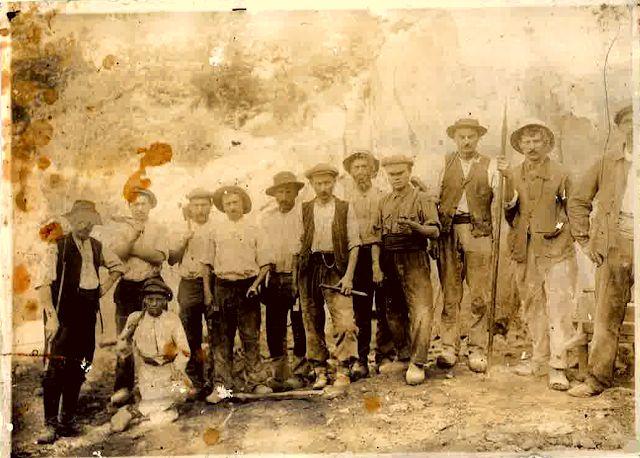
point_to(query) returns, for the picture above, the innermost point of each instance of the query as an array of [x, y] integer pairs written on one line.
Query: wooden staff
[[495, 245]]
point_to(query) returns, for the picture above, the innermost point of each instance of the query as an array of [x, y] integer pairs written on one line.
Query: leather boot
[[321, 378]]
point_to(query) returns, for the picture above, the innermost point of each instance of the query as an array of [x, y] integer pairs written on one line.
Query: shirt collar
[[408, 190], [541, 170], [79, 243], [475, 158], [331, 201]]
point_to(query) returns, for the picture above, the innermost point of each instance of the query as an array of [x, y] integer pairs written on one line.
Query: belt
[[461, 218]]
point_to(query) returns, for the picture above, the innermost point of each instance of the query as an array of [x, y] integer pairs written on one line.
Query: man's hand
[[346, 285], [406, 223], [252, 291], [595, 257], [378, 275], [188, 235], [52, 325], [418, 183], [208, 298], [504, 167]]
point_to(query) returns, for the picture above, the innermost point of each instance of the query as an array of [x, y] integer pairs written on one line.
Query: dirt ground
[[456, 411]]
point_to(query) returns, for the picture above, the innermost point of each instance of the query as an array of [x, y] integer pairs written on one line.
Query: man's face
[[286, 197], [362, 171], [199, 209], [232, 206], [155, 304], [140, 207], [81, 226], [323, 185], [398, 175], [534, 145], [626, 127], [467, 140]]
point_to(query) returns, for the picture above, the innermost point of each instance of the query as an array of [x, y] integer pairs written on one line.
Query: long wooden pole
[[495, 248]]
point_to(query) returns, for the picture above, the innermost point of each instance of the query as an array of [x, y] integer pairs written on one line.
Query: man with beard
[[609, 244], [70, 289], [541, 245], [143, 248], [280, 242], [407, 219], [467, 183], [328, 256], [187, 252], [364, 197]]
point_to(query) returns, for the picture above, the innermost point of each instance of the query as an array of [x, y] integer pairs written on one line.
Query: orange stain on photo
[[109, 61], [51, 232], [170, 350], [372, 403], [21, 279], [211, 436], [31, 310], [43, 162]]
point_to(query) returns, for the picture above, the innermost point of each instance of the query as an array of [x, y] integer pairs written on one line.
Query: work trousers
[[280, 301], [236, 313], [464, 257], [70, 356], [614, 280], [409, 298], [547, 290], [192, 310], [363, 311], [321, 269], [128, 299]]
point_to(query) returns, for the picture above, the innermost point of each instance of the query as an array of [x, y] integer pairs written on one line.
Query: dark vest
[[69, 254], [338, 234], [478, 190]]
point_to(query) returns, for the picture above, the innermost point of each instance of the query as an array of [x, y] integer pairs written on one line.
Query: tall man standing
[[143, 248], [541, 245], [187, 252], [407, 219], [69, 290], [611, 181], [328, 255], [364, 198], [467, 183], [281, 230]]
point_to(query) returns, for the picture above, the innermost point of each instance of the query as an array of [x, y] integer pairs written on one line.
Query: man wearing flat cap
[[407, 219], [69, 288], [467, 182], [156, 339], [607, 239], [541, 246], [188, 251], [280, 242], [364, 197], [143, 248], [238, 272], [328, 255]]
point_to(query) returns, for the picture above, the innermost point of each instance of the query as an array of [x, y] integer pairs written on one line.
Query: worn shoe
[[48, 436], [391, 367], [293, 383], [447, 359], [584, 390], [558, 380], [342, 380], [262, 389], [321, 379], [68, 429], [528, 369], [414, 375], [121, 397], [477, 362], [217, 395], [359, 370]]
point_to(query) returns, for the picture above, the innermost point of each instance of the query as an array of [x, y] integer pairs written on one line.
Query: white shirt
[[323, 221], [280, 238], [154, 237], [198, 246], [158, 336]]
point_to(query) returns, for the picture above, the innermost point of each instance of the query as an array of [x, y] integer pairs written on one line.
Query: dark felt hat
[[468, 123], [359, 154], [284, 179], [321, 168], [156, 286], [233, 189], [84, 208]]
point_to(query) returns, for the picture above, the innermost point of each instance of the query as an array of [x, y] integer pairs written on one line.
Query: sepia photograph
[[337, 227]]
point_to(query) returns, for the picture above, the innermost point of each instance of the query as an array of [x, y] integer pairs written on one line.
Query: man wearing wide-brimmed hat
[[466, 186], [187, 251], [407, 220], [328, 255], [364, 197], [239, 270], [608, 242], [280, 242], [541, 245], [69, 289], [143, 247]]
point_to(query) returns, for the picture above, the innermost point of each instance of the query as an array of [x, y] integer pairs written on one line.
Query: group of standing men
[[343, 252]]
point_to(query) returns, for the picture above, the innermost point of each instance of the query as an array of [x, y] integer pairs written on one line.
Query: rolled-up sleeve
[[111, 261], [353, 230], [264, 248], [428, 210]]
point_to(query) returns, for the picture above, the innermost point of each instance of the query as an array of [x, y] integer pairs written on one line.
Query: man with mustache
[[143, 248], [467, 183], [280, 240], [187, 252], [541, 245], [608, 242], [407, 219], [329, 251], [69, 289], [364, 197]]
